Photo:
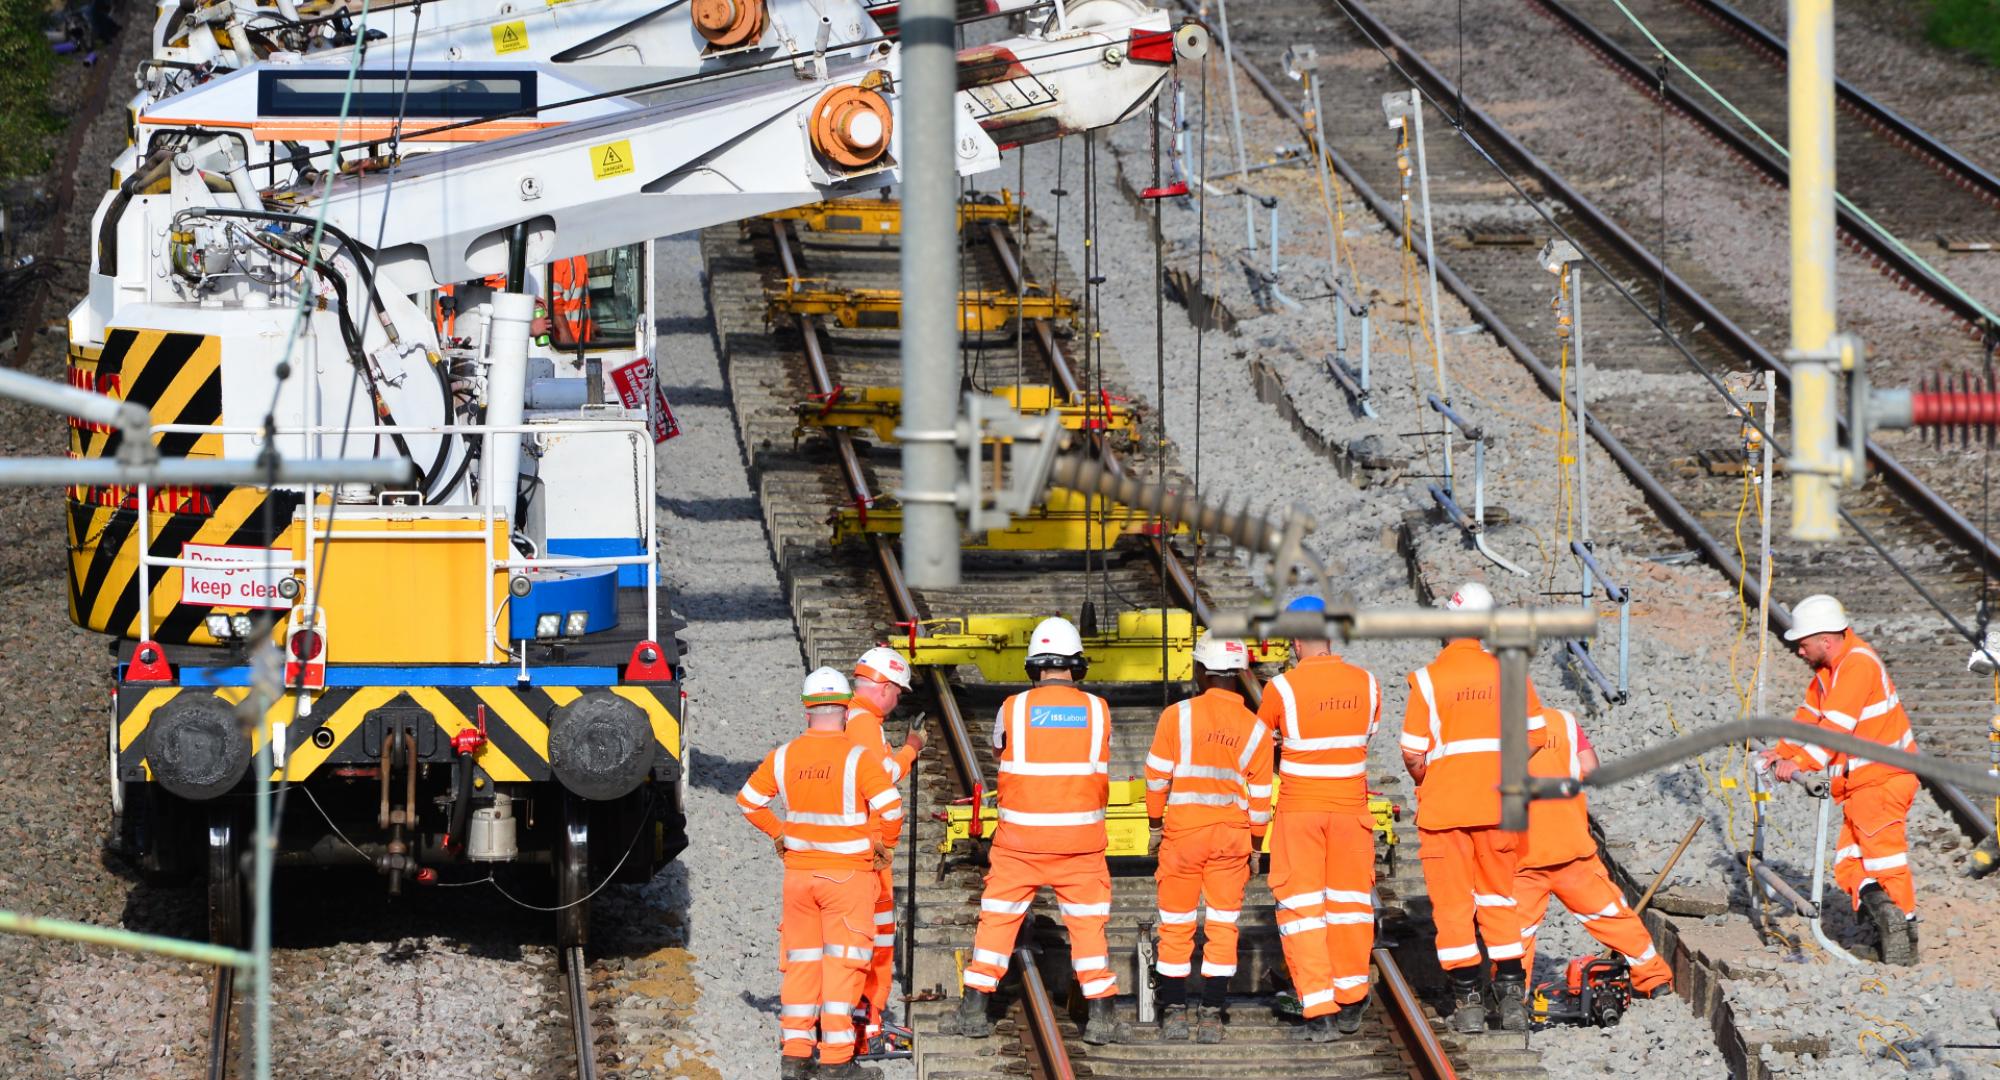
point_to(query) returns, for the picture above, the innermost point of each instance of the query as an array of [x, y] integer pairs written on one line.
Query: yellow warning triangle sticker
[[510, 37], [611, 159]]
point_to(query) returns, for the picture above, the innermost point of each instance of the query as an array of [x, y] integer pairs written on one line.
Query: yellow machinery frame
[[1132, 652], [980, 311], [1066, 521], [879, 409], [884, 217]]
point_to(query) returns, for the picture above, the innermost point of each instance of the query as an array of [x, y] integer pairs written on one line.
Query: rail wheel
[[227, 904], [572, 865]]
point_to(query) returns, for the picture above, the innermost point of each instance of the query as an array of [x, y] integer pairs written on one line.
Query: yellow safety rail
[[883, 217], [1132, 652]]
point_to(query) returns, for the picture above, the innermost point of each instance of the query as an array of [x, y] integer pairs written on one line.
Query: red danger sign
[[235, 577], [638, 389]]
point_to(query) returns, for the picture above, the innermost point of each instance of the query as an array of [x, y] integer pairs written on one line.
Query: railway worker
[[839, 807], [1851, 693], [1053, 742], [1451, 747], [1208, 789], [1322, 713], [1560, 859], [881, 677]]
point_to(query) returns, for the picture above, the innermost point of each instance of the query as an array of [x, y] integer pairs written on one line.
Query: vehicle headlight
[[548, 624], [242, 625], [219, 627], [576, 624]]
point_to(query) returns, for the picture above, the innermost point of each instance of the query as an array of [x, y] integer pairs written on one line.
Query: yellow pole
[[1815, 445]]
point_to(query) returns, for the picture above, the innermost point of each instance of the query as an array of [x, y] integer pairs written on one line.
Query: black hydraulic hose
[[146, 175]]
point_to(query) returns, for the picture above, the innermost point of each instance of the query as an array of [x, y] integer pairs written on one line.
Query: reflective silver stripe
[[1260, 791], [885, 918], [1260, 817], [1300, 926], [1317, 997], [1082, 964], [851, 952], [753, 796], [988, 956], [802, 956], [836, 1038], [1022, 817], [894, 813], [1186, 710], [1157, 785], [1174, 971], [1816, 753], [1004, 907], [894, 770], [1288, 767], [1463, 746], [1328, 742], [1851, 851], [778, 767], [1213, 915], [1340, 896], [1416, 744], [1100, 738], [1509, 950], [1880, 708], [1635, 961], [850, 782], [1221, 971], [1099, 986], [1490, 900], [1537, 722], [1158, 763], [1887, 862], [835, 847], [1841, 719], [1349, 918], [981, 981], [841, 1007], [1176, 917], [1606, 912], [1299, 901], [1531, 930], [1018, 752], [1461, 952], [1349, 982], [1250, 748], [1206, 772], [1374, 702], [1053, 768], [1284, 688], [884, 797], [1085, 911], [1185, 798], [1575, 755], [1429, 694], [800, 817], [799, 1010]]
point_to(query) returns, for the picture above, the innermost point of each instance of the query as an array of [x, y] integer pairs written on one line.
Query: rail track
[[1941, 204], [849, 597], [1682, 445]]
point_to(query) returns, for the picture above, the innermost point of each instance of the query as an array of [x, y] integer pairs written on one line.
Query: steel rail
[[1050, 1056], [1967, 173], [222, 1002], [576, 985], [1892, 258], [1914, 492], [1406, 1016]]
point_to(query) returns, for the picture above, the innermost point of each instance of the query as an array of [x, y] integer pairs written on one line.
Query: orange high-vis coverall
[[569, 300], [1054, 747], [864, 729], [1208, 774], [1560, 859], [1852, 694], [1323, 712], [1453, 720], [838, 803]]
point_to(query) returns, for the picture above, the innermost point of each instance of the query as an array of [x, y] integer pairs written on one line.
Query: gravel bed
[[1683, 630]]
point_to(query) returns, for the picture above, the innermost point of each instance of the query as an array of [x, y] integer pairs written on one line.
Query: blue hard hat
[[1307, 602]]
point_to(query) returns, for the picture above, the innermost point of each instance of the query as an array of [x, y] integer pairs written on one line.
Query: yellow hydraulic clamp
[[879, 409], [883, 217], [980, 311], [1125, 822], [1066, 521], [1131, 652]]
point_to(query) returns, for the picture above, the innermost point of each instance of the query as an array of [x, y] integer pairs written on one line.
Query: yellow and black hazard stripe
[[356, 718], [178, 377]]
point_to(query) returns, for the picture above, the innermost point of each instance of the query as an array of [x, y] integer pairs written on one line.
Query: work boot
[[1103, 1026], [795, 1068], [1174, 1024], [1470, 1017], [1890, 926], [1317, 1029], [1208, 1024], [1510, 994], [1348, 1020], [848, 1070], [971, 1020], [1910, 927]]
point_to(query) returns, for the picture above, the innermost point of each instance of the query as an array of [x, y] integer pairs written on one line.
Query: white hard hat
[[1820, 614], [1055, 637], [883, 664], [1471, 596], [1979, 663], [1220, 654], [826, 686]]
